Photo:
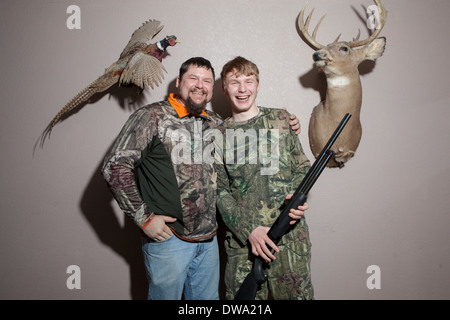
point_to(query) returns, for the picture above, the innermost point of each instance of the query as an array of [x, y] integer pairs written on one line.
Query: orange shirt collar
[[179, 108]]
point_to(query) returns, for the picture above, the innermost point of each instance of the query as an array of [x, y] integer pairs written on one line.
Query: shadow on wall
[[123, 240], [97, 199]]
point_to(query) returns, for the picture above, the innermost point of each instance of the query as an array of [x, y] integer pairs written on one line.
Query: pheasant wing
[[143, 35], [143, 70]]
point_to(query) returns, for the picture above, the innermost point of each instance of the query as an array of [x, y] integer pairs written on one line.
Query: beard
[[195, 108]]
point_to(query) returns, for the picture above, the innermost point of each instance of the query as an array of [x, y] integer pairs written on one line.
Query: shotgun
[[256, 277]]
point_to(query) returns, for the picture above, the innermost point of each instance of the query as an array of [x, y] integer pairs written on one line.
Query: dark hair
[[198, 62]]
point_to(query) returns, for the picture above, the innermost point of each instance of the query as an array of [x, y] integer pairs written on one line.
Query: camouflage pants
[[288, 277]]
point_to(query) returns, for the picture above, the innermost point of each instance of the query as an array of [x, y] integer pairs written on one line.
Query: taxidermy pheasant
[[138, 64]]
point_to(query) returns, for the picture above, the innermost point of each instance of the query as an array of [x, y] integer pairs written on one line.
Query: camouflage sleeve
[[118, 166], [298, 160], [227, 205], [295, 157]]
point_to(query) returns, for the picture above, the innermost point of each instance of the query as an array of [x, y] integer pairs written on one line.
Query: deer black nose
[[317, 56]]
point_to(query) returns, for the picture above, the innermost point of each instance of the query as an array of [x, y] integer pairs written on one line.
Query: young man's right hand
[[259, 241], [157, 230]]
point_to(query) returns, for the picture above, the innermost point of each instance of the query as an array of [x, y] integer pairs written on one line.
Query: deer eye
[[345, 49]]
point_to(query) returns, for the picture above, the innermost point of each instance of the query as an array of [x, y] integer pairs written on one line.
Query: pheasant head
[[166, 42]]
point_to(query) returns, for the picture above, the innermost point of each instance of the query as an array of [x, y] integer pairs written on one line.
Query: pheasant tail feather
[[81, 97]]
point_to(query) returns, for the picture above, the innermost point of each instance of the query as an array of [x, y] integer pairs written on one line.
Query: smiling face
[[242, 91], [196, 88]]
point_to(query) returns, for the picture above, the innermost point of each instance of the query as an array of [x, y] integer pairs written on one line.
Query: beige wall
[[389, 207]]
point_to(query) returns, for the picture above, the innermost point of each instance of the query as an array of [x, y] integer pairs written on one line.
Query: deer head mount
[[339, 62]]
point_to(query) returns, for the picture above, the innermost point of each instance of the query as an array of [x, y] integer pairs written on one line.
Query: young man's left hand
[[298, 213], [295, 123]]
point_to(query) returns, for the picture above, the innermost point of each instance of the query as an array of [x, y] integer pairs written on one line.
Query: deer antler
[[383, 14], [303, 26], [311, 40]]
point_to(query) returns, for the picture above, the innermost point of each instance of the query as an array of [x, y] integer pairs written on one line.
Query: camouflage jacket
[[255, 173], [155, 166]]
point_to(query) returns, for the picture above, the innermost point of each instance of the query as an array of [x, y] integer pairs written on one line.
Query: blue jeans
[[174, 266]]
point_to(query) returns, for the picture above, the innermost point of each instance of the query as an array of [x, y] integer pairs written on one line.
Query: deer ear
[[375, 49]]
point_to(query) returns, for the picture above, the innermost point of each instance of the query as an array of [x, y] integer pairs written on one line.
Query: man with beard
[[158, 179]]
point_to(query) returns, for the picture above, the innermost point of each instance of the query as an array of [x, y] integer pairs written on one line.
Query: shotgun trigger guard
[[258, 270]]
